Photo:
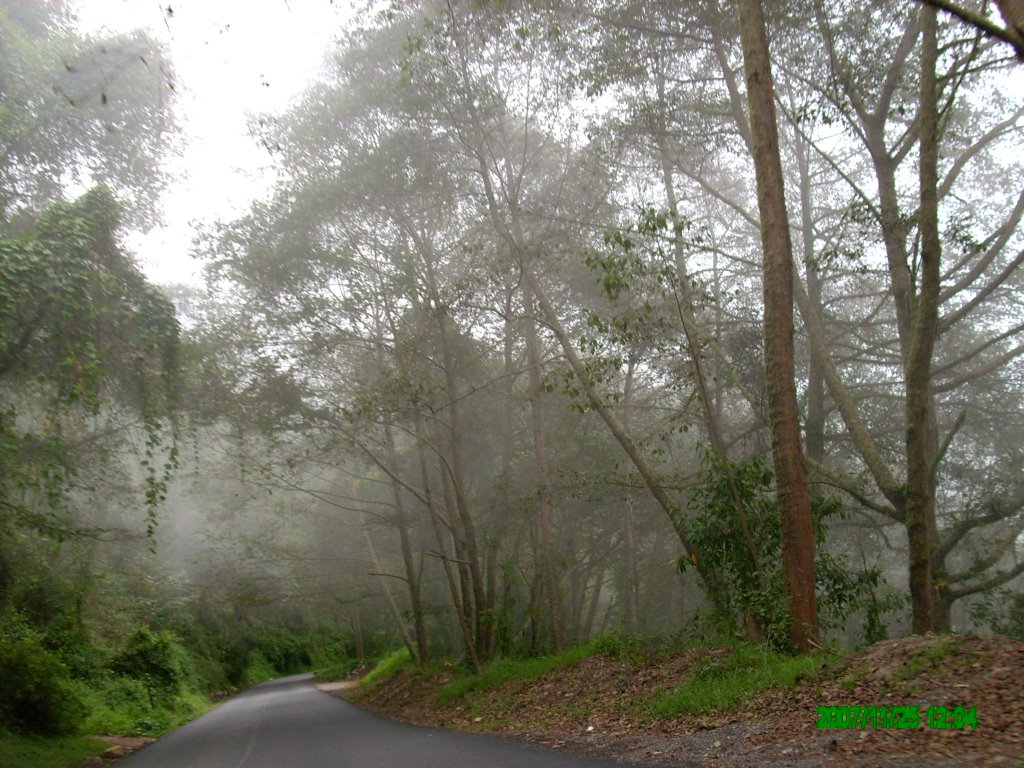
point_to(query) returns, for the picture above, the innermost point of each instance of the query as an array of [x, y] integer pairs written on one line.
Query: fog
[[468, 326]]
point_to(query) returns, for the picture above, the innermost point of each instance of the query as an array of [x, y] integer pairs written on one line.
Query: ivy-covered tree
[[81, 332]]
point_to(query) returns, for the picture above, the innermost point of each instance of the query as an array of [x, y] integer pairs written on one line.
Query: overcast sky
[[232, 58]]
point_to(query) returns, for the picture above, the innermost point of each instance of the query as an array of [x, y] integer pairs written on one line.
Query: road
[[288, 723]]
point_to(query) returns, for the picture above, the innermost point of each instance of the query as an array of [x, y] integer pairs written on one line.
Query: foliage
[[85, 109], [746, 589], [37, 697], [720, 683], [500, 671], [81, 326], [338, 670], [620, 646], [387, 667], [19, 751], [258, 669], [122, 705], [1001, 611], [155, 658]]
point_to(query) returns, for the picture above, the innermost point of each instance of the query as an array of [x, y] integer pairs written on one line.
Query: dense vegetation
[[507, 358]]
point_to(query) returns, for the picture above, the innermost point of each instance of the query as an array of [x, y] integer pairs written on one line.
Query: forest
[[557, 321]]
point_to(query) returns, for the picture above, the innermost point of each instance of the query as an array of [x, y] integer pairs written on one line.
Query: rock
[[115, 751]]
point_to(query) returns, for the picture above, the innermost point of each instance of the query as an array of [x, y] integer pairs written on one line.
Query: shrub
[[37, 695], [258, 669], [749, 590], [157, 659]]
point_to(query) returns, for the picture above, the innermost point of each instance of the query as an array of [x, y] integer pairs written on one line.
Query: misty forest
[[685, 322]]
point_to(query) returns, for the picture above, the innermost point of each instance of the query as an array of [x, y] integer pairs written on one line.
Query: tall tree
[[92, 110], [787, 452], [81, 330]]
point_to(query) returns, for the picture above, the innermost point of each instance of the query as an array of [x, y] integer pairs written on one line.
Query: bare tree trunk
[[1013, 15], [458, 485], [650, 478], [544, 528], [791, 479], [412, 578], [925, 329], [357, 635], [396, 614], [814, 426], [631, 606], [458, 597], [587, 626]]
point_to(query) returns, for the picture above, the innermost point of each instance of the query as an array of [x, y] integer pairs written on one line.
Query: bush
[[1001, 612], [38, 697], [258, 669], [157, 659], [749, 590]]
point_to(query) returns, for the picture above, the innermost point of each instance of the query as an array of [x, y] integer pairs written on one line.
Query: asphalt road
[[288, 723]]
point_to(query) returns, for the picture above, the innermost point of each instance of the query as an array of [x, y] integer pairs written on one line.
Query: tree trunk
[[458, 597], [544, 528], [791, 480], [357, 636], [924, 330], [631, 601], [458, 485], [389, 599], [412, 578], [814, 426]]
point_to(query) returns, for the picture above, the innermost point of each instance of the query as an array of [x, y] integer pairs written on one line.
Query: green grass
[[337, 671], [723, 683], [925, 659], [501, 671], [121, 705], [18, 751], [386, 667]]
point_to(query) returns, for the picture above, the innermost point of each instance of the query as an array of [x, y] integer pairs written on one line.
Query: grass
[[387, 667], [337, 671], [723, 683], [18, 751], [122, 706], [501, 671], [925, 659]]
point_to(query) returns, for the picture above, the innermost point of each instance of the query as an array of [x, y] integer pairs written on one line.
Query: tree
[[80, 330], [86, 110], [794, 499]]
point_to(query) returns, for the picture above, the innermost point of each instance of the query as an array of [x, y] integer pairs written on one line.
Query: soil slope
[[596, 707]]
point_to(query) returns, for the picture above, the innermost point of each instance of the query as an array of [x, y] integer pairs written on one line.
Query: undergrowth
[[501, 671], [723, 682], [386, 668], [21, 751]]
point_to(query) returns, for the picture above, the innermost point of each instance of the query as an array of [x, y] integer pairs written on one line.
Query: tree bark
[[631, 597], [412, 578], [814, 426], [925, 327], [791, 479], [540, 461], [458, 597]]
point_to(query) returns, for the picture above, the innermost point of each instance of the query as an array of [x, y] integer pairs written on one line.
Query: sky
[[232, 59]]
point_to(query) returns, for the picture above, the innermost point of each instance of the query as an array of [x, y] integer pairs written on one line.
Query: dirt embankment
[[596, 707]]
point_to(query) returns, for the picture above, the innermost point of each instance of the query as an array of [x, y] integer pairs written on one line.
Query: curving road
[[288, 723]]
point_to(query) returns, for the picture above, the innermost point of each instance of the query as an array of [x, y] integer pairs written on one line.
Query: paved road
[[288, 723]]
